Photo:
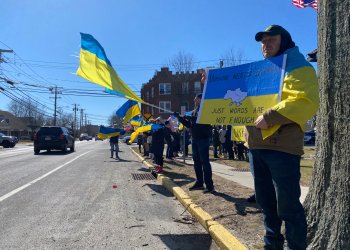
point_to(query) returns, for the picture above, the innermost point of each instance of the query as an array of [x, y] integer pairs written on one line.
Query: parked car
[[52, 137], [309, 137], [126, 139], [8, 141], [25, 138], [84, 136]]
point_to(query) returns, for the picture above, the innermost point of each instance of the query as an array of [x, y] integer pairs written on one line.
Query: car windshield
[[50, 131], [1, 134]]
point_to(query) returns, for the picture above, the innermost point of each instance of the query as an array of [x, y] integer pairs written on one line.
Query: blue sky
[[138, 36]]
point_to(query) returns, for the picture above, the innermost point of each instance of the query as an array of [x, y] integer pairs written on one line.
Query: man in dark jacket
[[157, 146], [113, 142], [201, 134], [229, 143], [169, 140], [216, 141]]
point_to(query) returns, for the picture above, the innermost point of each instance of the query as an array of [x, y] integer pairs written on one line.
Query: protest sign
[[238, 95]]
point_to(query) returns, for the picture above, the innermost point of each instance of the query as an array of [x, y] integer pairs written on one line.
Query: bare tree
[[65, 119], [181, 62], [114, 119], [328, 202], [17, 108], [232, 57], [27, 108]]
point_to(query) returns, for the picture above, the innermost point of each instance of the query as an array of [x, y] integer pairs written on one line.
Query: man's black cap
[[272, 30]]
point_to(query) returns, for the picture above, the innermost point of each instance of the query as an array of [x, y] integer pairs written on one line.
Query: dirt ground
[[227, 205]]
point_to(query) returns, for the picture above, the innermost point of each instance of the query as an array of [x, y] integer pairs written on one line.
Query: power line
[[13, 84], [17, 100], [65, 80]]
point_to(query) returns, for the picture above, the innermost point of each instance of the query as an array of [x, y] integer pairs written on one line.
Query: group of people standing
[[275, 160], [153, 142], [224, 146]]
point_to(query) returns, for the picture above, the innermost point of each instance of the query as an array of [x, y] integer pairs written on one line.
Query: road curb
[[223, 238]]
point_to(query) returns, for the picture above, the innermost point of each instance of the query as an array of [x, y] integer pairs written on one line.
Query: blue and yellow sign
[[237, 133], [238, 95]]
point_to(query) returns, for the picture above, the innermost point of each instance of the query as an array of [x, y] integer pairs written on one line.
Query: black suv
[[50, 137]]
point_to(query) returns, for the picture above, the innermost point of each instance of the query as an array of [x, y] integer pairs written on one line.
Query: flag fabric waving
[[305, 3], [112, 92], [145, 128], [95, 67], [128, 110], [136, 121], [106, 132]]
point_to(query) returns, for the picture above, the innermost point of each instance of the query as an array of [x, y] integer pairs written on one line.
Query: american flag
[[305, 3]]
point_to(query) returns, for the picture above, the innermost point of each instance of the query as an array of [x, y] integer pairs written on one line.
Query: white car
[[126, 139]]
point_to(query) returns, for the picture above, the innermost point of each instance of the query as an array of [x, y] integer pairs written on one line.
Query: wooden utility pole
[[55, 92], [75, 109]]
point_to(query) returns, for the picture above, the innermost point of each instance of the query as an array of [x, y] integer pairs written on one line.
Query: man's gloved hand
[[176, 114]]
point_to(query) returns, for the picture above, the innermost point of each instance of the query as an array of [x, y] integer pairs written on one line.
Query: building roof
[[9, 121]]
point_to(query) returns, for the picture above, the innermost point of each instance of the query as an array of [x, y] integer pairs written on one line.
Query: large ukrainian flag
[[96, 68], [128, 110]]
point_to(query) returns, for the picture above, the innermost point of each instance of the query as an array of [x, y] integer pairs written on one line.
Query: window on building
[[197, 87], [152, 92], [164, 88], [147, 95], [164, 105], [184, 107], [185, 88]]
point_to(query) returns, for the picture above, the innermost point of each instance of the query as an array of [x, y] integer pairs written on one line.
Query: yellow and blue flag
[[107, 132], [112, 92], [145, 128], [300, 93], [95, 67], [238, 95], [136, 121], [128, 110], [237, 133]]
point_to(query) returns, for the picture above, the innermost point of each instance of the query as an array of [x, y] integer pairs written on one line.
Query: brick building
[[174, 92]]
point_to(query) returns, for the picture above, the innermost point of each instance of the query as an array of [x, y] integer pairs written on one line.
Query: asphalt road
[[86, 200]]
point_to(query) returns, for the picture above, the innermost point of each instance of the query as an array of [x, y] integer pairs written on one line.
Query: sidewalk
[[243, 178], [222, 236]]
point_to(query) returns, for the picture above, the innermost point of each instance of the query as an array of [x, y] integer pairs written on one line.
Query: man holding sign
[[276, 143], [201, 134], [274, 115]]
